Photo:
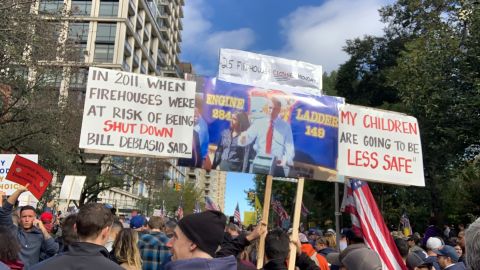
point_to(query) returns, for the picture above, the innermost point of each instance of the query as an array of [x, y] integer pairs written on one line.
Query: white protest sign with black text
[[269, 72], [72, 187], [135, 114], [380, 146]]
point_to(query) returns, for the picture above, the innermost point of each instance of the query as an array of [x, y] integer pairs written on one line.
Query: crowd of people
[[95, 238]]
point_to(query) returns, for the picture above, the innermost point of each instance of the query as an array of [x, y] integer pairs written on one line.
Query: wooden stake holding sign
[[296, 222], [266, 209]]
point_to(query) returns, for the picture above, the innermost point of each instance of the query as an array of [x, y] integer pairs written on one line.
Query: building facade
[[213, 184], [139, 36]]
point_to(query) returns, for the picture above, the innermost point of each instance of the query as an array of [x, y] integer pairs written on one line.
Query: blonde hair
[[126, 249], [331, 240]]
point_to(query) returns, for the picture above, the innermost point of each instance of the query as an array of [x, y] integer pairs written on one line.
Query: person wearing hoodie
[[31, 233], [195, 241], [9, 250]]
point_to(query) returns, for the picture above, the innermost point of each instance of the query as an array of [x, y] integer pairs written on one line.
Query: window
[[106, 33], [79, 31], [50, 6], [108, 8], [81, 7], [79, 78], [104, 52]]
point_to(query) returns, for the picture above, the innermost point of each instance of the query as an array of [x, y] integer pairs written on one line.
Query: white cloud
[[201, 44], [317, 34]]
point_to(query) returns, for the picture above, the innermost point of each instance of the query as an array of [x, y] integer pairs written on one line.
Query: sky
[[236, 184], [306, 30]]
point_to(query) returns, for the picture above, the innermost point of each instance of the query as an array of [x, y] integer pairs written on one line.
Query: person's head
[[69, 234], [277, 245], [331, 239], [446, 255], [126, 249], [354, 237], [156, 223], [321, 243], [93, 223], [434, 243], [275, 107], [356, 258], [27, 217], [240, 122], [170, 228], [10, 248], [459, 250], [198, 235], [472, 245], [402, 247], [418, 260], [138, 222], [47, 220], [233, 229]]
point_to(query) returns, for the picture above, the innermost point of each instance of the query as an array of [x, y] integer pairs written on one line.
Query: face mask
[[343, 245]]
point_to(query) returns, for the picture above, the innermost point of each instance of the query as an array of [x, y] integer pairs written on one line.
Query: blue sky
[[307, 30], [236, 184]]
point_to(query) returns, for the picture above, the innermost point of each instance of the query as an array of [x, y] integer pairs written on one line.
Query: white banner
[[135, 114], [269, 72], [72, 187], [379, 146]]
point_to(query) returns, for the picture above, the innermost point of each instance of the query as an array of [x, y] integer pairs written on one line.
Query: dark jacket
[[33, 242], [80, 255], [303, 262], [457, 266], [326, 251], [224, 263]]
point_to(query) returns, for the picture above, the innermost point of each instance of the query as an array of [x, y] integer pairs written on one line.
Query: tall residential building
[[139, 36], [213, 184]]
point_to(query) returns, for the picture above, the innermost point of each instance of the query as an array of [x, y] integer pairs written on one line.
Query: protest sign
[[24, 171], [380, 146], [72, 187], [235, 132], [135, 114], [9, 187], [269, 72]]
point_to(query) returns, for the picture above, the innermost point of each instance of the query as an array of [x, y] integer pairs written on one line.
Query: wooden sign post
[[296, 223], [266, 209]]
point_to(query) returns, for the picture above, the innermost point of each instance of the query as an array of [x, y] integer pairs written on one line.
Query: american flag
[[277, 208], [236, 215], [180, 212], [210, 205], [197, 209], [358, 201], [405, 222], [305, 210]]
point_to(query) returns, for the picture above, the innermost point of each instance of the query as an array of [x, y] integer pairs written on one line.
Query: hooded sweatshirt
[[223, 263]]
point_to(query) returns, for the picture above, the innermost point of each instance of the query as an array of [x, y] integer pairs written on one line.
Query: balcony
[[139, 22], [180, 24], [161, 58], [136, 61], [127, 49], [131, 8], [146, 35], [125, 66]]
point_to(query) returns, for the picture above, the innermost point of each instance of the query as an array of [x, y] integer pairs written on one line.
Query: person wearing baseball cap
[[196, 239], [448, 258]]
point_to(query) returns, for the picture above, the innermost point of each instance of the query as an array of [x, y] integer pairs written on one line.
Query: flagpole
[[337, 216], [266, 209], [296, 223]]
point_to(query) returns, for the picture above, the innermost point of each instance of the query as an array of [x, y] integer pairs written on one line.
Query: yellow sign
[[249, 218]]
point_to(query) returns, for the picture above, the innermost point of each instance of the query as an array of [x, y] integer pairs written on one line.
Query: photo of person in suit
[[272, 141]]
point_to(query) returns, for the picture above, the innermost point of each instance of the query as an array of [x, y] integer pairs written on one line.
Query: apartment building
[[139, 36], [213, 184]]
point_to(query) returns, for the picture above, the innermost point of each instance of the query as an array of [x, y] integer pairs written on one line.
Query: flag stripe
[[358, 201]]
